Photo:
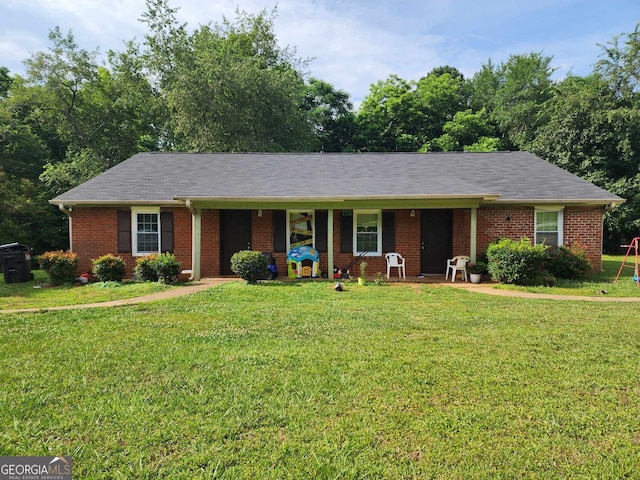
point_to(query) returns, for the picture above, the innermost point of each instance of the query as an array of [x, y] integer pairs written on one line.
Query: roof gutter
[[115, 203], [283, 199], [64, 210]]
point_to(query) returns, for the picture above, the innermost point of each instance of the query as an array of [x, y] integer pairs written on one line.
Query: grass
[[36, 293], [296, 381], [602, 283]]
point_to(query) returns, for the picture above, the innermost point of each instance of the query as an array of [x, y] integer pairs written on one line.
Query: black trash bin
[[15, 259]]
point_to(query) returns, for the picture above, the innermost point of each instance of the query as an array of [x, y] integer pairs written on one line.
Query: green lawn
[[602, 283], [299, 381], [37, 293]]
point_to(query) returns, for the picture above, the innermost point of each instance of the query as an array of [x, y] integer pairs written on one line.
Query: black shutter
[[388, 231], [322, 217], [279, 230], [166, 234], [124, 231], [346, 231]]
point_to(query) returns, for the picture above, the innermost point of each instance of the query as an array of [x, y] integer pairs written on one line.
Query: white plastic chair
[[395, 260], [455, 265]]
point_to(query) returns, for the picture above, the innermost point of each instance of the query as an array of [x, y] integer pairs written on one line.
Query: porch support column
[[473, 243], [196, 240], [330, 262], [197, 243]]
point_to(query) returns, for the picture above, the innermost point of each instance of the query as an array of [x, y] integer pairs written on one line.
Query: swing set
[[632, 246]]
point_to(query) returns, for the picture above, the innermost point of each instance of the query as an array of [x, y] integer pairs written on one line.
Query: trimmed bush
[[568, 262], [109, 268], [162, 268], [520, 263], [250, 265], [166, 267], [145, 270], [60, 266]]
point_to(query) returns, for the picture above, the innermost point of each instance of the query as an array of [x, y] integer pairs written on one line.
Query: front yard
[[297, 380]]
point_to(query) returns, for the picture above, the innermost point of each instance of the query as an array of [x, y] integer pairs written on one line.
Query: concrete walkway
[[207, 283], [187, 289], [488, 290]]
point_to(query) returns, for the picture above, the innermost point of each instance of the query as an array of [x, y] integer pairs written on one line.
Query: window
[[367, 232], [146, 231], [301, 229], [549, 226]]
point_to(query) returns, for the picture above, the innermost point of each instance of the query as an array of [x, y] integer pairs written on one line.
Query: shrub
[[144, 269], [521, 263], [109, 268], [59, 266], [249, 265], [162, 268], [166, 267], [568, 262]]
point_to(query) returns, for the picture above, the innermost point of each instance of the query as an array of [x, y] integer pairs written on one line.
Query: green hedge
[[60, 266], [162, 268], [109, 268], [520, 263], [250, 265]]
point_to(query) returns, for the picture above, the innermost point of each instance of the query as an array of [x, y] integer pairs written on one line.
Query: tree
[[514, 94], [592, 133], [620, 64], [228, 86], [5, 81], [467, 129], [385, 115], [404, 116], [331, 113], [439, 97]]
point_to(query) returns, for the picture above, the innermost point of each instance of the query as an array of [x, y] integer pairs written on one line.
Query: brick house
[[204, 207]]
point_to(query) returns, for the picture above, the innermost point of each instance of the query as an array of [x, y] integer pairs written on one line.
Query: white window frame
[[560, 218], [134, 230], [378, 251], [313, 226]]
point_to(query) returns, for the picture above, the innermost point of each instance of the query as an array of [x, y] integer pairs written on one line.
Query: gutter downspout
[[196, 237], [67, 212]]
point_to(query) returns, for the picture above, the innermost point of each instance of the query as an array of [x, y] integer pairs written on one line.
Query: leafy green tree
[[620, 64], [593, 133], [5, 81], [439, 97], [398, 115], [524, 86], [385, 116], [466, 129], [514, 94], [227, 86], [331, 113]]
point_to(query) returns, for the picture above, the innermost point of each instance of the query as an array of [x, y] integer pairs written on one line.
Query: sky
[[352, 43]]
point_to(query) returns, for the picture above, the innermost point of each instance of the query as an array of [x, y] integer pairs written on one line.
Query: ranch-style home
[[204, 207]]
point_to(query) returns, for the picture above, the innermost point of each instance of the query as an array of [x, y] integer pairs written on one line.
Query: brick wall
[[582, 226], [504, 222], [95, 233], [209, 245]]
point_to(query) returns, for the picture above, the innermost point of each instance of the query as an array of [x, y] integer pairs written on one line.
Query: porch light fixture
[[412, 213], [259, 213]]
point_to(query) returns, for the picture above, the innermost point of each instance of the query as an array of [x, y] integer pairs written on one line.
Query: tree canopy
[[229, 86]]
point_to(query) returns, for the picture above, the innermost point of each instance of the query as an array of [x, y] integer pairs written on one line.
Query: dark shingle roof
[[163, 177]]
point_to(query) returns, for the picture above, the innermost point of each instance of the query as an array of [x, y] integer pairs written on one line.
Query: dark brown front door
[[436, 237], [235, 235]]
